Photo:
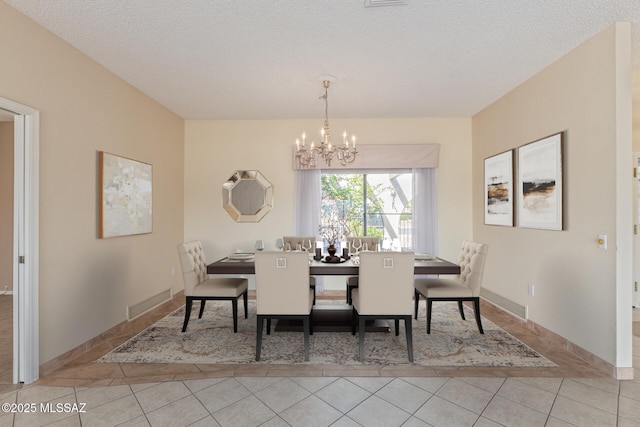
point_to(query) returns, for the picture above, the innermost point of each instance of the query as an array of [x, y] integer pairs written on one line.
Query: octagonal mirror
[[247, 196]]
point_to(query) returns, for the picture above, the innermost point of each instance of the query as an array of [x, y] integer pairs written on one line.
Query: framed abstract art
[[540, 184], [498, 189], [126, 196]]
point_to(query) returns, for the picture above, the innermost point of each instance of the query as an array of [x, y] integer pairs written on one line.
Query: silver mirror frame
[[263, 202]]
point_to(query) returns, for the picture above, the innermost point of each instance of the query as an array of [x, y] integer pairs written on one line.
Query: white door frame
[[636, 237], [26, 359]]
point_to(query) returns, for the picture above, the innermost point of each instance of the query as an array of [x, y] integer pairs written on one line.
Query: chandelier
[[307, 156]]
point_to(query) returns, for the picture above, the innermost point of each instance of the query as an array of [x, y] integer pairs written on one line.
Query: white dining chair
[[302, 242], [371, 243], [199, 287], [385, 291], [282, 292], [465, 286]]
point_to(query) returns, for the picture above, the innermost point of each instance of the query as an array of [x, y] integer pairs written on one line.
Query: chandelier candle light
[[345, 153]]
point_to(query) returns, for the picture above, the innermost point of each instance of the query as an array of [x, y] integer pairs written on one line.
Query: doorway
[[6, 246], [24, 261]]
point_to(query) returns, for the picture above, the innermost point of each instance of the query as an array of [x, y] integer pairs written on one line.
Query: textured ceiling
[[257, 59]]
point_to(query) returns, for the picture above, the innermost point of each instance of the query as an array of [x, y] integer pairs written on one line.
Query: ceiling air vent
[[372, 3]]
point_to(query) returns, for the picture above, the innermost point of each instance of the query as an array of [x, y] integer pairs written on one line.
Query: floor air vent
[[500, 301], [146, 305]]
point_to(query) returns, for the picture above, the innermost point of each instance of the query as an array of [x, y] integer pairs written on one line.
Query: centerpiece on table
[[330, 234]]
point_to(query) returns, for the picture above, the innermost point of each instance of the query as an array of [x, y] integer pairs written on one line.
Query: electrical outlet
[[532, 289]]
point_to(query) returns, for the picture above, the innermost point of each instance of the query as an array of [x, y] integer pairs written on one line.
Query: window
[[377, 203]]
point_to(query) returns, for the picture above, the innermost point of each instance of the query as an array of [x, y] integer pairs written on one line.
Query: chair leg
[[245, 298], [476, 309], [187, 313], [311, 321], [416, 301], [259, 337], [234, 306], [305, 326], [314, 294], [361, 337], [350, 289], [397, 324], [202, 301], [429, 305], [268, 326], [408, 326], [461, 308], [353, 320]]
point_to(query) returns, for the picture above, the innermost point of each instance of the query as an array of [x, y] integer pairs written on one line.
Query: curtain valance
[[387, 156]]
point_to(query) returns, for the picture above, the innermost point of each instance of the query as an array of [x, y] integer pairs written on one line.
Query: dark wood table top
[[318, 268]]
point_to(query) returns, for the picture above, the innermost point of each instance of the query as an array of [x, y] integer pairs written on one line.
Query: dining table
[[246, 266], [330, 316]]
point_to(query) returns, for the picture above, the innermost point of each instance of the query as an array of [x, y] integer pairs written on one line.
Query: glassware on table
[[357, 244], [259, 245], [298, 247], [306, 245], [365, 247], [287, 247], [279, 244]]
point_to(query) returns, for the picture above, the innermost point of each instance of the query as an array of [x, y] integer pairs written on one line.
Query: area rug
[[452, 342]]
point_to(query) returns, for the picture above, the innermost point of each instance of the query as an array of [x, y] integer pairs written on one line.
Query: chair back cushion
[[294, 240], [194, 265], [472, 258], [373, 243], [386, 283], [282, 283]]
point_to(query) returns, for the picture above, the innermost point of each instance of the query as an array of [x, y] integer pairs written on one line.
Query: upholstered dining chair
[[463, 287], [372, 244], [198, 286], [385, 291], [292, 242], [282, 292]]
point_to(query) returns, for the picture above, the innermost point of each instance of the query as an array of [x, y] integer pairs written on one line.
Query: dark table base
[[331, 318]]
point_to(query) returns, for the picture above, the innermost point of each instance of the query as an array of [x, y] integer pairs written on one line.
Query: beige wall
[[215, 149], [85, 282], [585, 94], [6, 205]]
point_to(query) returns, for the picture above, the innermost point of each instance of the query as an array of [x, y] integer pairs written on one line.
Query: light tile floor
[[230, 396], [333, 401]]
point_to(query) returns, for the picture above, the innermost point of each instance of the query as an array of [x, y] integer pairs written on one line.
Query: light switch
[[602, 241]]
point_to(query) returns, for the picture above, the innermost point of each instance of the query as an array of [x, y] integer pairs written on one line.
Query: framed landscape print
[[540, 184], [125, 196], [498, 189]]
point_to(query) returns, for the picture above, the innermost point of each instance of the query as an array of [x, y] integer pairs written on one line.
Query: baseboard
[[138, 324], [593, 360], [551, 337]]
